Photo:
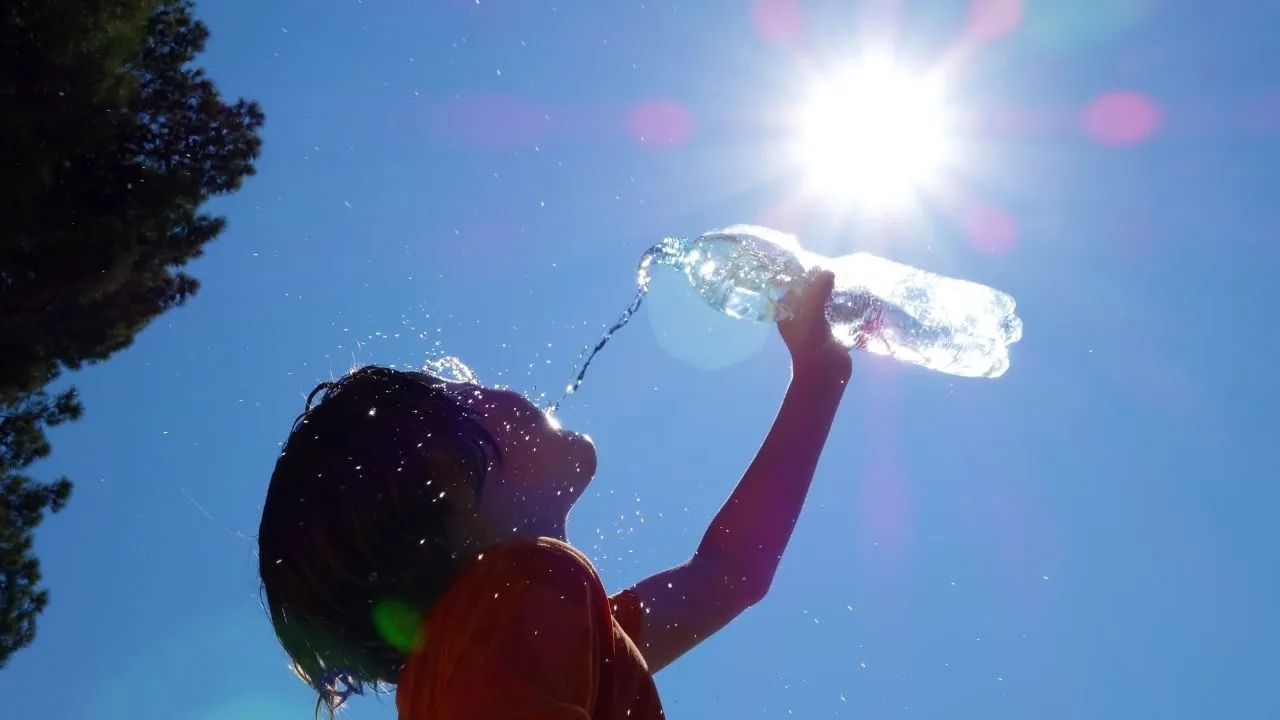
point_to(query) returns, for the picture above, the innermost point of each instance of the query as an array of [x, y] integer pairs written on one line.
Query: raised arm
[[734, 565]]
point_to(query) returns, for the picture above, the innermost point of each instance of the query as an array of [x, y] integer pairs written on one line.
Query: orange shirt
[[526, 632]]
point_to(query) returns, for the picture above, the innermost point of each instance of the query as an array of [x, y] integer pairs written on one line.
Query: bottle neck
[[670, 252]]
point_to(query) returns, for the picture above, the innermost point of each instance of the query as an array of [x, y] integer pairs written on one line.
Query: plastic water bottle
[[880, 306]]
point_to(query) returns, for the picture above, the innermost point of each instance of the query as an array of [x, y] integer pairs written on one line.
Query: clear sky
[[1091, 536]]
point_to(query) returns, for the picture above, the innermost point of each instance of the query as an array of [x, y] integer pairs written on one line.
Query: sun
[[872, 136]]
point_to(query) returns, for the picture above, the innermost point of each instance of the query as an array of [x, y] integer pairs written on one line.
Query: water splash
[[668, 252], [589, 353], [450, 369]]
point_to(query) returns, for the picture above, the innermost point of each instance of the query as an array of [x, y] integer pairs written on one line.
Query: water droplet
[[451, 369]]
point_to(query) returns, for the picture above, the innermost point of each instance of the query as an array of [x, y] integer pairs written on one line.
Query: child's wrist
[[832, 365]]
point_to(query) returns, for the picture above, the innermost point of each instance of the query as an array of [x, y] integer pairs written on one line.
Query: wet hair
[[353, 548]]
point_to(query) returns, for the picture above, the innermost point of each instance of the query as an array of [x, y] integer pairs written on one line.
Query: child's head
[[388, 481]]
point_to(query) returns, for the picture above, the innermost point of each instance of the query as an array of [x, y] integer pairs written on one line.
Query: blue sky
[[1089, 536]]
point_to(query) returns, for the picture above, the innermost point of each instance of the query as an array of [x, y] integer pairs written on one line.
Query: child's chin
[[579, 456]]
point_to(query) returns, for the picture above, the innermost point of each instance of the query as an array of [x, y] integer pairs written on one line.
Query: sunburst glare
[[872, 136]]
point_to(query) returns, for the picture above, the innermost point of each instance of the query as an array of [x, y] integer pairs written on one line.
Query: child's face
[[543, 470]]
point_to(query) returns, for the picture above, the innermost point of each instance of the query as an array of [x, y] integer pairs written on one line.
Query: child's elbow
[[756, 592], [739, 584], [749, 587]]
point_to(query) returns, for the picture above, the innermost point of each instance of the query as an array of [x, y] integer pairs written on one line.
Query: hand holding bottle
[[807, 333]]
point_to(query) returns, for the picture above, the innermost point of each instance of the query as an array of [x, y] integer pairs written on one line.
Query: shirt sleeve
[[538, 657]]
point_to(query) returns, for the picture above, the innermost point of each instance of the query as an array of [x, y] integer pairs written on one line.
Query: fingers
[[824, 283], [810, 300], [820, 285]]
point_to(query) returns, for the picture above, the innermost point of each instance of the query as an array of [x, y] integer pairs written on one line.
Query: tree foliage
[[111, 142]]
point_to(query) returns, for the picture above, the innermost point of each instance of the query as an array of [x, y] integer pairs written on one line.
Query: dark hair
[[353, 548]]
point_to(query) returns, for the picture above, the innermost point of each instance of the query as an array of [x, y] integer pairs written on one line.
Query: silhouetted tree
[[111, 141]]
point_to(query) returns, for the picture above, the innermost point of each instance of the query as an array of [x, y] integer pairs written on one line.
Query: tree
[[23, 502], [111, 142]]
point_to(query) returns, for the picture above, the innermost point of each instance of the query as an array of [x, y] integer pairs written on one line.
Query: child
[[413, 534]]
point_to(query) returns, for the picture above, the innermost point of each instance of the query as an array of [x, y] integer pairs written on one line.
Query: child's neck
[[534, 528]]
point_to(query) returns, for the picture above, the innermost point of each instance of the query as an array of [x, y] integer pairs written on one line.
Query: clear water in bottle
[[880, 306]]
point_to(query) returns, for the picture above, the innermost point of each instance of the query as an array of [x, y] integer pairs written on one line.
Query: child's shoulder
[[508, 589], [526, 621]]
